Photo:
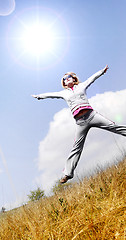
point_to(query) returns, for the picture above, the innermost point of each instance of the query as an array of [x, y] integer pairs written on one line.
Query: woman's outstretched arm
[[48, 95], [91, 79]]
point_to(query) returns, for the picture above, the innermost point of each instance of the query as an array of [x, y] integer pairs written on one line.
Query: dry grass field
[[94, 208]]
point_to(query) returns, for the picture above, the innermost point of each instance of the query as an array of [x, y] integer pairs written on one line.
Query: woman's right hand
[[36, 96]]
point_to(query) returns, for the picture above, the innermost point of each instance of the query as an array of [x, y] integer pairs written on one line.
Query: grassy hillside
[[93, 209]]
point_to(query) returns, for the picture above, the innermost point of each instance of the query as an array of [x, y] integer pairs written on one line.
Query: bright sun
[[38, 39]]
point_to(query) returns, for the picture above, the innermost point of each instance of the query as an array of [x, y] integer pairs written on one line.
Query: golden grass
[[94, 208]]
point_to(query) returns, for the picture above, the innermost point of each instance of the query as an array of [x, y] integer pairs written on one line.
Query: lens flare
[[118, 118], [6, 7]]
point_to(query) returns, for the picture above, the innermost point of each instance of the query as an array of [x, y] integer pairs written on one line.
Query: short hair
[[76, 82]]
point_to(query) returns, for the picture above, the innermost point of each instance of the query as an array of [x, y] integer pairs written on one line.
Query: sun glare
[[38, 39]]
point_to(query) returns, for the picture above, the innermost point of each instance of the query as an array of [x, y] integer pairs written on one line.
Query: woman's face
[[68, 80]]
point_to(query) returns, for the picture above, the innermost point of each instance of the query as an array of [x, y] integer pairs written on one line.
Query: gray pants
[[83, 124]]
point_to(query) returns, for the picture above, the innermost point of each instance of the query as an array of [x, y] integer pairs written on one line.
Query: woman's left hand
[[106, 68]]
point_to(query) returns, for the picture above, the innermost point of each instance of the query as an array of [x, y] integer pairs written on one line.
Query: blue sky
[[87, 36]]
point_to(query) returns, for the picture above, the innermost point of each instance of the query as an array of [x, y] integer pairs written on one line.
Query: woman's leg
[[82, 127], [104, 123], [71, 163]]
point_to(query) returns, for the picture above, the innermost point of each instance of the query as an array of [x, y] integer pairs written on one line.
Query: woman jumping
[[85, 117]]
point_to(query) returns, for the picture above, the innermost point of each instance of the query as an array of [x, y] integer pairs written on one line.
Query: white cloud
[[7, 7], [100, 146]]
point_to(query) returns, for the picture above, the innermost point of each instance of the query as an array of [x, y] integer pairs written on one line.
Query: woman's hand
[[36, 96], [106, 68]]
